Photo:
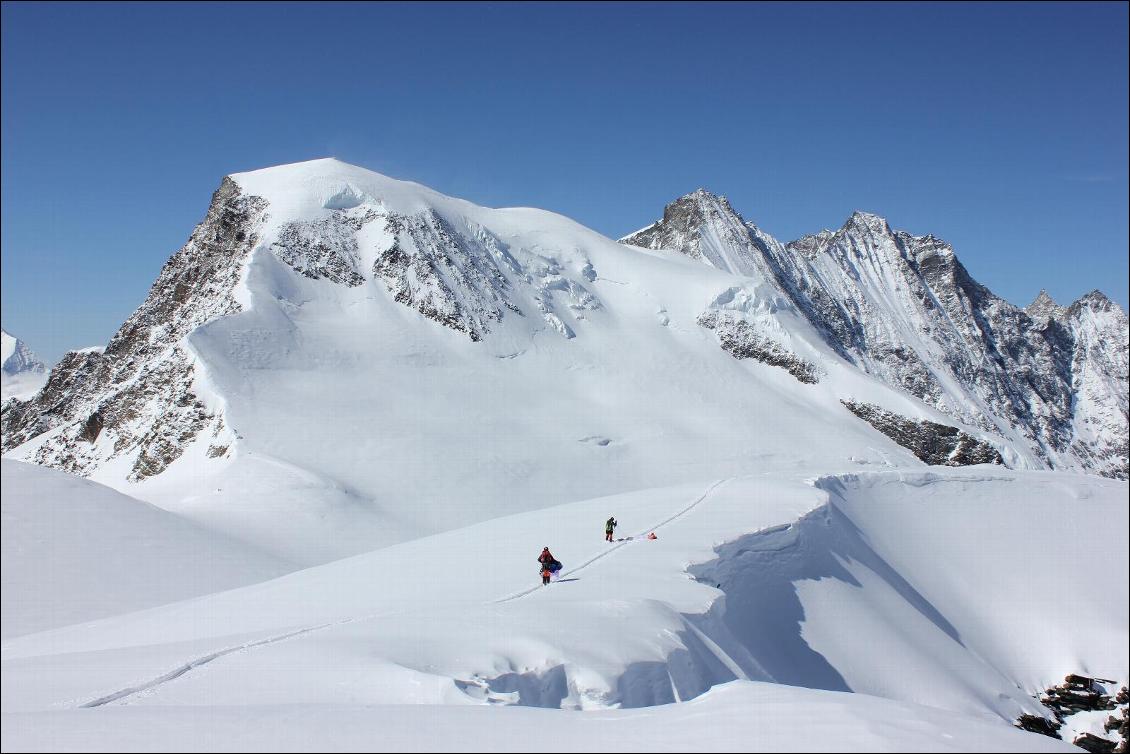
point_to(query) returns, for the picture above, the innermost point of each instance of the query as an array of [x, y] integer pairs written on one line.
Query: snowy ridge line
[[910, 477], [614, 548], [193, 664]]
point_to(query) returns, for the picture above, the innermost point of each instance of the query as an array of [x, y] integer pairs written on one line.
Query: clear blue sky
[[1001, 128]]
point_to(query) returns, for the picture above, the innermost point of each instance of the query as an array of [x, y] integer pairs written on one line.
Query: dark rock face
[[933, 443], [136, 397], [1091, 742], [59, 399], [326, 248], [1119, 723], [682, 221], [1037, 724], [93, 427], [449, 277], [904, 309], [741, 340]]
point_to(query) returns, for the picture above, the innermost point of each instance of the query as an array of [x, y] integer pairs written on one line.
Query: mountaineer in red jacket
[[549, 565]]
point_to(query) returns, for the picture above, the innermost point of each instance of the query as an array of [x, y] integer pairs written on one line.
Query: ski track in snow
[[172, 675], [191, 665], [627, 540]]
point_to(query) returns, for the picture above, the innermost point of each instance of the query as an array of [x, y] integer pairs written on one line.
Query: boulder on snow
[[1093, 743], [1037, 724]]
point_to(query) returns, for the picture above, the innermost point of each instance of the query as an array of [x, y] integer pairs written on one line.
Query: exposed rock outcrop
[[934, 443], [138, 397]]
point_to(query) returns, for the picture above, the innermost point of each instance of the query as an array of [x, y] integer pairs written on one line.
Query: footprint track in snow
[[620, 543]]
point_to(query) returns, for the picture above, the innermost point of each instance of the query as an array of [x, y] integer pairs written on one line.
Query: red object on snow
[[652, 536]]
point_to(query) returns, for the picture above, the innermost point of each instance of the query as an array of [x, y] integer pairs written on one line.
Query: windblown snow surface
[[412, 445]]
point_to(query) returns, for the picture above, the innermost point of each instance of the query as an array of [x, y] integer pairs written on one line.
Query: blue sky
[[1001, 128]]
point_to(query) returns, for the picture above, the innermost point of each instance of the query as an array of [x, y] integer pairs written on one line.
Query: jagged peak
[[1043, 299], [868, 222], [1044, 306], [17, 356], [1095, 296], [685, 215], [1096, 300], [703, 198]]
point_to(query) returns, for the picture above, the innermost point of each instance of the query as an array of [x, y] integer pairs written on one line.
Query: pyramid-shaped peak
[[698, 207], [1044, 307], [685, 219], [867, 222]]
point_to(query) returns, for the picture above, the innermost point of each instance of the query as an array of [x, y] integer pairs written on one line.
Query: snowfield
[[75, 551], [738, 716], [356, 410], [901, 585]]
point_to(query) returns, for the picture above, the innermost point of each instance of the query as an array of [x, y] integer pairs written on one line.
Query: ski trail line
[[617, 546], [199, 661]]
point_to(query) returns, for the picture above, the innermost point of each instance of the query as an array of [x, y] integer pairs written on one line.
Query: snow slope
[[861, 594], [76, 551]]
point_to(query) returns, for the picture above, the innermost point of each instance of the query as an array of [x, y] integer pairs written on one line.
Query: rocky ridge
[[904, 309]]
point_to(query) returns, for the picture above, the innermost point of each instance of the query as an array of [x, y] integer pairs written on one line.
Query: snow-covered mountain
[[21, 372], [341, 352], [1052, 380], [341, 364]]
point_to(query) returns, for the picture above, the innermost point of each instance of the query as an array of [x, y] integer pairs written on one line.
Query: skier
[[609, 526], [549, 565]]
